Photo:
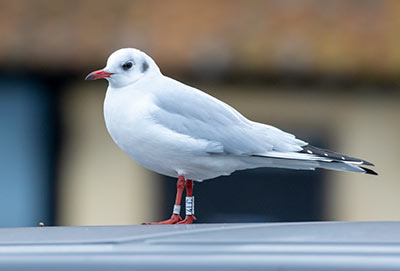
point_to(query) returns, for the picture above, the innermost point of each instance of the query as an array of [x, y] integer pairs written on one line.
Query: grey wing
[[188, 111], [193, 113]]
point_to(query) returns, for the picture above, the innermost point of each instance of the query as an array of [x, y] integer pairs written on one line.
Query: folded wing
[[194, 113]]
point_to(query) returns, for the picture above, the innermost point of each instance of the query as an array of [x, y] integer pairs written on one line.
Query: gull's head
[[125, 67]]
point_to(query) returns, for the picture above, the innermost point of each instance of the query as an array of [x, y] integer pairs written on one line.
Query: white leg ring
[[189, 206], [177, 209]]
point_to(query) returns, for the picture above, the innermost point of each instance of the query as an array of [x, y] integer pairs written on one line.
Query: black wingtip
[[369, 171], [333, 155]]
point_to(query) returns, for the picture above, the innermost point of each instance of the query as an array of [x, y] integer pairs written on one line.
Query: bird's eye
[[127, 65]]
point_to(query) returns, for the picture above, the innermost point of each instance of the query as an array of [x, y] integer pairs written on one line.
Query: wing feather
[[188, 111]]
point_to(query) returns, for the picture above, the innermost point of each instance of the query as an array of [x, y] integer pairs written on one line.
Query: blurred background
[[327, 71]]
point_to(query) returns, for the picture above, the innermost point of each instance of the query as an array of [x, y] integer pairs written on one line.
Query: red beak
[[98, 74]]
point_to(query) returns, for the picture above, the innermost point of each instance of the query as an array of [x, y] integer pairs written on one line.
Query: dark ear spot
[[145, 67]]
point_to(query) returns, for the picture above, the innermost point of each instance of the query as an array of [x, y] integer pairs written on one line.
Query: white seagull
[[179, 131]]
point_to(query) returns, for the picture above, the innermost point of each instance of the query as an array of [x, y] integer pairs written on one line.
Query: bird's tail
[[339, 161], [312, 157]]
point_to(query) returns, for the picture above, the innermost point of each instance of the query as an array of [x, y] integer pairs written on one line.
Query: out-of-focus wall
[[351, 38]]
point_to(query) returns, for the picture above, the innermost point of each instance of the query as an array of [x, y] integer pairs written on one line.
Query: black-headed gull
[[180, 131]]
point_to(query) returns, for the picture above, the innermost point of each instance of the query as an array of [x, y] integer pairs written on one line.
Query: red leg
[[175, 218], [189, 204]]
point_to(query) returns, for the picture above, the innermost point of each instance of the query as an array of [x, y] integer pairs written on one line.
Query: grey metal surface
[[272, 246]]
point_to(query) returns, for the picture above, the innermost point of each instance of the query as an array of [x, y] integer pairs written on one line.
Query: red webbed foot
[[175, 218], [188, 220]]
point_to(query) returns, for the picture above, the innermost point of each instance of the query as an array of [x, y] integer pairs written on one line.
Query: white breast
[[127, 120]]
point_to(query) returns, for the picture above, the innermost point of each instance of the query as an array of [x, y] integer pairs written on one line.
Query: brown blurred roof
[[316, 36]]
